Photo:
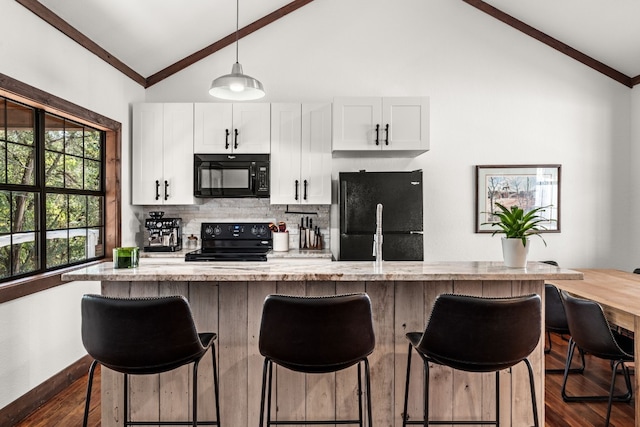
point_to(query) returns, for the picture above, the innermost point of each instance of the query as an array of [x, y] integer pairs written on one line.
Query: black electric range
[[232, 241]]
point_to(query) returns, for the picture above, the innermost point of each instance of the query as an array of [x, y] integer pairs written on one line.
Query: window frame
[[36, 98]]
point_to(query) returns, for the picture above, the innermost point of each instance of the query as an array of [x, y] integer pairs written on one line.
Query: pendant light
[[236, 86]]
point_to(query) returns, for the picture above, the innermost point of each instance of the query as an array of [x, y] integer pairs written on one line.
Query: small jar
[[192, 242], [127, 257]]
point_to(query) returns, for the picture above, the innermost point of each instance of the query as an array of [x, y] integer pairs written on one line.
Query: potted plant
[[517, 225]]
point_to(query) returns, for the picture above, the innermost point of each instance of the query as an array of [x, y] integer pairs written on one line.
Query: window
[[52, 194]]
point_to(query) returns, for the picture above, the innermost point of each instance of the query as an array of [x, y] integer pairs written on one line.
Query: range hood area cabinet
[[162, 158], [393, 126], [224, 128], [301, 154]]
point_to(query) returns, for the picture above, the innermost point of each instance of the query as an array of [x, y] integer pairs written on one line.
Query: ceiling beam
[[554, 43], [63, 26], [226, 41]]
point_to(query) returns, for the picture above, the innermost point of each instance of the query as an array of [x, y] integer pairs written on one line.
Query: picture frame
[[527, 186]]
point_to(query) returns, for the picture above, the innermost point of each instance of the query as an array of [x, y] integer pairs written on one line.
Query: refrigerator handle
[[416, 232]]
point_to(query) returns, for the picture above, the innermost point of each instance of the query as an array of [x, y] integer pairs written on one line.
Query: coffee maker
[[162, 234]]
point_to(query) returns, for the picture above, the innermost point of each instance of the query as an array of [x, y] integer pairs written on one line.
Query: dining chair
[[591, 332]]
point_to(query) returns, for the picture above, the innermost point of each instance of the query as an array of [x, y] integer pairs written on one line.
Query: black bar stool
[[316, 335], [142, 336], [476, 334]]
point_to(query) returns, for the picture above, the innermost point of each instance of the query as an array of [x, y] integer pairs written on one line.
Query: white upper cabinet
[[301, 154], [232, 128], [383, 126], [162, 161]]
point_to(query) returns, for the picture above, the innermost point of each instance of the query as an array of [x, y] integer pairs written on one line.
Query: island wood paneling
[[233, 310]]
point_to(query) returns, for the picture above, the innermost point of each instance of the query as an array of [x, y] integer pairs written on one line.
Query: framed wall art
[[527, 186]]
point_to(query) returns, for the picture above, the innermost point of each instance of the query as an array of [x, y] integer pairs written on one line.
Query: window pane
[[5, 257], [25, 253], [54, 133], [92, 175], [54, 169], [56, 211], [73, 172], [77, 211], [5, 212], [95, 242], [20, 123], [73, 139], [24, 212], [92, 145], [94, 214], [78, 245], [3, 162], [20, 164], [57, 248]]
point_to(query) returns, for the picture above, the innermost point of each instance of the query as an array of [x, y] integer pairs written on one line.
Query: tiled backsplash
[[246, 210]]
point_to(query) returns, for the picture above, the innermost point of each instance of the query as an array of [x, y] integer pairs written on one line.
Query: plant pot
[[514, 252]]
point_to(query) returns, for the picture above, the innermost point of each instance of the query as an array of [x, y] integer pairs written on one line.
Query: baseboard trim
[[22, 407]]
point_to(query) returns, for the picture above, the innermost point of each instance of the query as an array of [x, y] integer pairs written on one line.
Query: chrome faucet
[[377, 238]]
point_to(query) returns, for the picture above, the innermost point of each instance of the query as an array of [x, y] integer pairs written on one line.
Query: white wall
[[497, 97], [40, 334]]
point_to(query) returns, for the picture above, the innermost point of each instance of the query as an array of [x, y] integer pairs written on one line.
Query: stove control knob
[[208, 230], [159, 224], [217, 230], [262, 230]]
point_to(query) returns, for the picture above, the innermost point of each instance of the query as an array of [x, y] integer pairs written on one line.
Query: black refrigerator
[[400, 194]]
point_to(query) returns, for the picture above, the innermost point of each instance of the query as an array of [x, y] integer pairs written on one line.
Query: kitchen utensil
[[273, 227], [282, 226]]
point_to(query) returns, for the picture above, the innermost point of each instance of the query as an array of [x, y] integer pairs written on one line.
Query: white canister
[[280, 241]]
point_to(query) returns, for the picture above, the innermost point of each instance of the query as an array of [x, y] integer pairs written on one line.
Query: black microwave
[[231, 175]]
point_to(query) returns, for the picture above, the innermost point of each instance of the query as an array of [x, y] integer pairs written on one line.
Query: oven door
[[215, 176]]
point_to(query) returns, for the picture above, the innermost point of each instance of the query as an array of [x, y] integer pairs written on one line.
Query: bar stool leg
[[406, 388], [215, 383], [195, 394], [87, 402], [368, 381]]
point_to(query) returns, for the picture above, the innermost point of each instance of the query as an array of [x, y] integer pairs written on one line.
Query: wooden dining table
[[618, 292]]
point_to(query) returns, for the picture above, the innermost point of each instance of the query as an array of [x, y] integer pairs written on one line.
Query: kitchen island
[[227, 298]]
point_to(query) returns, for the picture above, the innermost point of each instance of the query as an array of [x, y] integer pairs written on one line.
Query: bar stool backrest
[[482, 334], [140, 335], [317, 334]]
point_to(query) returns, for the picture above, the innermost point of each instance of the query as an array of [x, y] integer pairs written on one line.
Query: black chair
[[555, 320], [141, 336], [476, 334], [591, 332], [316, 335]]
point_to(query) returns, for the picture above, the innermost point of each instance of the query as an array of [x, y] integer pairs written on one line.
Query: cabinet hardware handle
[[297, 183], [377, 134], [157, 189], [386, 135], [305, 190], [226, 139], [235, 142], [166, 189]]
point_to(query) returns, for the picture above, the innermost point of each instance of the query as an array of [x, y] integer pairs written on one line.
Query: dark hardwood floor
[[66, 409]]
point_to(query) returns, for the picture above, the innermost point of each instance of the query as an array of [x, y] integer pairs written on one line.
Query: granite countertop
[[174, 269]]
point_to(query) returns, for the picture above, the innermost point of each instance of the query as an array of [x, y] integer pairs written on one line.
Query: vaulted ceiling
[[149, 40]]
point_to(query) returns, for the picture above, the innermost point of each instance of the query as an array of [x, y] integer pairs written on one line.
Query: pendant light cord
[[237, 25]]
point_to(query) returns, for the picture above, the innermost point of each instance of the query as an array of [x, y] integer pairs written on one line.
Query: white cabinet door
[[162, 161], [253, 124], [222, 128], [147, 156], [301, 154], [354, 124], [381, 125], [212, 128], [178, 154], [315, 160], [407, 119], [286, 134]]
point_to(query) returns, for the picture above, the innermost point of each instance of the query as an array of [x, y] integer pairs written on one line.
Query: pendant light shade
[[236, 86]]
